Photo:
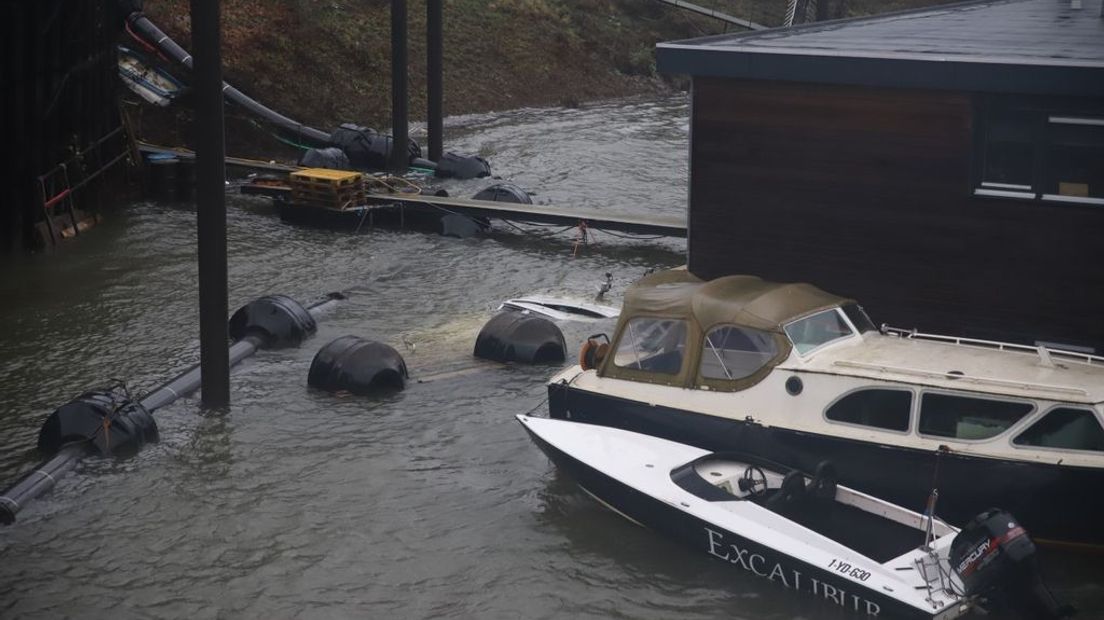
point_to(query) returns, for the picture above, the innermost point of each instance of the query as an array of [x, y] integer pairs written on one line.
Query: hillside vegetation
[[324, 62]]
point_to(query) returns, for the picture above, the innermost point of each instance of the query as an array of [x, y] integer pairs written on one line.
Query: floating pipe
[[159, 39], [445, 165], [266, 322]]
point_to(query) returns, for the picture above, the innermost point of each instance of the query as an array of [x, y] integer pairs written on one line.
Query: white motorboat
[[797, 375], [802, 532], [560, 309]]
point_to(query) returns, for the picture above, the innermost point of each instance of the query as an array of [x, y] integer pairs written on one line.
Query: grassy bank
[[325, 62]]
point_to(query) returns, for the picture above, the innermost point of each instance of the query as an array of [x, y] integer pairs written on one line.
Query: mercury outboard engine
[[995, 558]]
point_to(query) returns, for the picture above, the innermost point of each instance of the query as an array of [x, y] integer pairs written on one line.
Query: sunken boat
[[797, 375]]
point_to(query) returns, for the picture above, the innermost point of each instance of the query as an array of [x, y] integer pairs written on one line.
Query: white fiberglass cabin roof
[[962, 366]]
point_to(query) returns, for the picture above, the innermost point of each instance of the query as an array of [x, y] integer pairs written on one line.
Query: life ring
[[593, 351]]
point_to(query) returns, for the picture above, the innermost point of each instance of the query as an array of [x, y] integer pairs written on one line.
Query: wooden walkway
[[539, 214], [666, 226]]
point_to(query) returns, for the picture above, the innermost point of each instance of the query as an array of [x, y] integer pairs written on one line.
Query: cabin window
[[878, 408], [1073, 429], [858, 318], [962, 417], [733, 352], [1035, 151], [817, 330], [654, 345]]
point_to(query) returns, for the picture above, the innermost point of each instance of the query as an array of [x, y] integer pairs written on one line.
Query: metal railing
[[1044, 353]]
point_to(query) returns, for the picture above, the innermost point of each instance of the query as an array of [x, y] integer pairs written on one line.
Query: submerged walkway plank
[[540, 214]]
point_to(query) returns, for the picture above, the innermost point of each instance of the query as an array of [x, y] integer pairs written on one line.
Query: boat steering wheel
[[754, 482]]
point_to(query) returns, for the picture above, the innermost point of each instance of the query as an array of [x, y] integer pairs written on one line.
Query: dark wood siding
[[867, 193]]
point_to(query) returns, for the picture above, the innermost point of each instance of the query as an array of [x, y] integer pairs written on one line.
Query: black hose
[[159, 39]]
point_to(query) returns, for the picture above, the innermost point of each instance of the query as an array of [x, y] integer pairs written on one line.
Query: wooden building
[[945, 166]]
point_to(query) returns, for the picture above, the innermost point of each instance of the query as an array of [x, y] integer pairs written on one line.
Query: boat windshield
[[817, 330], [654, 345]]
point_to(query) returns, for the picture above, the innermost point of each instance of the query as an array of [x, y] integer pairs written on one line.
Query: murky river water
[[425, 504]]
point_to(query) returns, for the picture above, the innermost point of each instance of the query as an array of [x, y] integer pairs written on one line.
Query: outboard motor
[[995, 558]]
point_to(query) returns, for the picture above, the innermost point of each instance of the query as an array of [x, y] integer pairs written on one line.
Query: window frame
[[913, 419], [1045, 113], [644, 375], [919, 404], [1044, 413], [840, 313]]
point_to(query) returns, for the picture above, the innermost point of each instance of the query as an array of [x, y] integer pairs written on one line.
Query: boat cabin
[[726, 334], [732, 333], [799, 375]]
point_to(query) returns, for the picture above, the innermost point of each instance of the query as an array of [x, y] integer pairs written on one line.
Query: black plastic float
[[513, 336], [109, 422], [353, 364], [504, 192], [460, 166]]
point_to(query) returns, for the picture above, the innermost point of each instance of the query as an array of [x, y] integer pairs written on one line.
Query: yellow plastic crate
[[327, 177]]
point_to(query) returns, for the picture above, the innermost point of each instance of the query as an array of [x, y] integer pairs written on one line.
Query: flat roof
[[1022, 46]]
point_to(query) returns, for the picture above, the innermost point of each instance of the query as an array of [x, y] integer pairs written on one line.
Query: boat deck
[[876, 537]]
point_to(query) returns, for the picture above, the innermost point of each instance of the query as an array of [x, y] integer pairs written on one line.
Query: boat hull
[[1056, 503], [752, 557]]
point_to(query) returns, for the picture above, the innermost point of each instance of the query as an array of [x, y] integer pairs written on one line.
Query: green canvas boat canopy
[[667, 317]]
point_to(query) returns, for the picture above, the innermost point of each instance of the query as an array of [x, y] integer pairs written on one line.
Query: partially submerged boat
[[802, 532], [560, 308], [795, 374]]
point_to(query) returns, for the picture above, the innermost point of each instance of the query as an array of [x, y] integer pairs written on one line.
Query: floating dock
[[419, 210]]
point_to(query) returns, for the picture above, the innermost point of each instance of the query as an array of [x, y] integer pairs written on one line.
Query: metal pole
[[400, 132], [435, 90], [210, 203]]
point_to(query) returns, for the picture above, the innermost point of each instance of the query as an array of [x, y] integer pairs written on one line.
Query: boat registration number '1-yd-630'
[[846, 568], [761, 566]]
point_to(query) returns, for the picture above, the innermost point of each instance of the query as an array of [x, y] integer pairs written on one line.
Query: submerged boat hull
[[749, 556], [1056, 503]]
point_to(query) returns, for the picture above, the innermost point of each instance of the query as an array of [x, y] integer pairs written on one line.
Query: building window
[[654, 345], [733, 352], [884, 409], [1074, 159], [962, 417], [1038, 153], [1008, 160], [1074, 429]]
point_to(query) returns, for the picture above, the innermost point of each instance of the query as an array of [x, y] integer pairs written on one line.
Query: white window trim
[[1049, 449], [1005, 434], [914, 412], [839, 312], [1077, 120]]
